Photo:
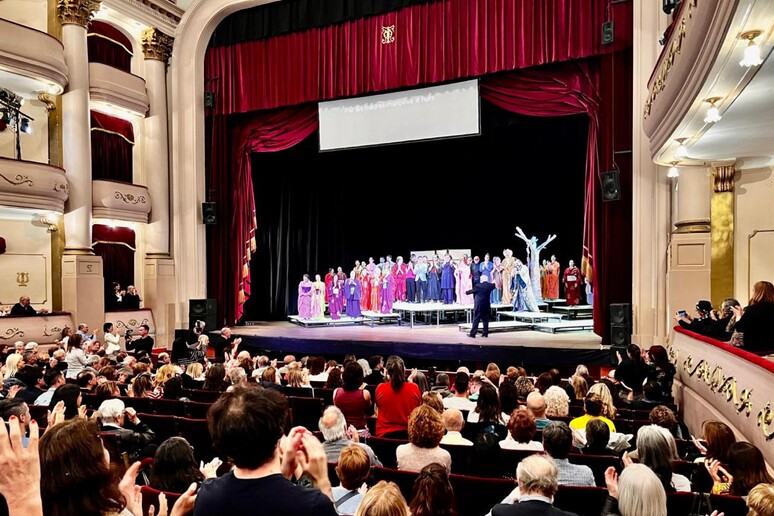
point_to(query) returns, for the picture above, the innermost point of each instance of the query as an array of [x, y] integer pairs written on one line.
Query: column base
[[688, 275], [79, 251], [83, 289], [160, 296]]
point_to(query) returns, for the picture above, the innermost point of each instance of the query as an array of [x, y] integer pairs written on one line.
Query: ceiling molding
[[159, 14]]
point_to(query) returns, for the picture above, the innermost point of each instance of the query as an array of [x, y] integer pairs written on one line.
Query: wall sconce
[[51, 220], [713, 114], [682, 150], [752, 53], [673, 170]]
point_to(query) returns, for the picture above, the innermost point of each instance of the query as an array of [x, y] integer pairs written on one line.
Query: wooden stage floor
[[441, 342]]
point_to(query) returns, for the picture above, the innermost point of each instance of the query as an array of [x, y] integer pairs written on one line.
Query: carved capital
[[723, 178], [156, 45], [77, 12], [46, 99]]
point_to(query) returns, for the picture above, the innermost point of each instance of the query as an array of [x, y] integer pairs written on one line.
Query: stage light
[[713, 114], [752, 54], [673, 170], [25, 126], [682, 150]]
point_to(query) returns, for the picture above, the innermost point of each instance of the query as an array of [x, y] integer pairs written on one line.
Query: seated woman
[[353, 469], [746, 469], [755, 321], [487, 411], [270, 379], [760, 501], [174, 467], [592, 405], [432, 494], [193, 378], [215, 378], [661, 370], [521, 429], [106, 391], [608, 406], [298, 379], [656, 452], [718, 438], [597, 438], [425, 429], [70, 394], [383, 499], [557, 402]]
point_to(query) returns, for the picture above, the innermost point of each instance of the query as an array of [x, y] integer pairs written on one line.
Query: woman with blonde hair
[[638, 492], [760, 501], [608, 408], [580, 387], [384, 499], [557, 402], [163, 374], [12, 365]]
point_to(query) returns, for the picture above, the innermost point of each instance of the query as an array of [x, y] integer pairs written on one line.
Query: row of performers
[[375, 287]]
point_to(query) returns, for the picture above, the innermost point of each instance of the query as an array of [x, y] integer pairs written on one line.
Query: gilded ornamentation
[[675, 47], [62, 187], [22, 279], [156, 45], [765, 419], [11, 333], [19, 179], [77, 12], [130, 198], [721, 384], [388, 35], [52, 331], [48, 100], [132, 323], [723, 178]]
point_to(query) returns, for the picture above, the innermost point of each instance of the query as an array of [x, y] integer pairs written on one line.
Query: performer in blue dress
[[447, 280], [433, 283], [352, 295]]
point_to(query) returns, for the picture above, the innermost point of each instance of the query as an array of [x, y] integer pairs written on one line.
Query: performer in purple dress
[[447, 280], [387, 292], [352, 294], [305, 298], [335, 298]]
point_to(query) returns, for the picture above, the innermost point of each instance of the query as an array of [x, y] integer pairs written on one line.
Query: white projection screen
[[441, 111]]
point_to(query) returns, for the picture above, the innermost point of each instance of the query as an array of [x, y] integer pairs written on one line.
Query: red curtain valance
[[433, 43], [113, 125], [104, 233], [108, 45]]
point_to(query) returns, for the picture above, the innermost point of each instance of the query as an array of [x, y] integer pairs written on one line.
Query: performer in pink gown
[[387, 292], [318, 298], [399, 279], [464, 282], [572, 284], [335, 298], [305, 298], [371, 265], [552, 279]]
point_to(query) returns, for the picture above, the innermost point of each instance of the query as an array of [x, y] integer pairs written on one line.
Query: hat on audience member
[[30, 346], [704, 305]]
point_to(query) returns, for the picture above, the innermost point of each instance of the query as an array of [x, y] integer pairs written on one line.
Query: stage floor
[[444, 342]]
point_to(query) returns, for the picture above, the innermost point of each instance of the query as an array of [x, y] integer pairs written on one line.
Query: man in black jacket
[[23, 307], [538, 482], [482, 310], [133, 435], [142, 346]]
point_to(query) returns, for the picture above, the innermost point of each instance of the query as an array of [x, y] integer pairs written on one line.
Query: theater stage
[[445, 342]]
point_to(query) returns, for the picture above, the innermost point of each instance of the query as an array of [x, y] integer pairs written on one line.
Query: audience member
[[223, 343], [755, 321], [608, 406], [536, 405], [352, 469], [334, 380], [638, 492], [432, 494], [597, 438], [215, 378], [433, 401], [75, 357], [12, 407], [632, 370], [543, 382], [425, 431], [592, 407], [538, 480], [454, 422], [557, 442], [718, 438], [353, 401], [383, 499], [395, 401], [657, 452], [460, 400], [702, 323], [24, 308], [376, 363], [661, 370], [521, 431], [746, 469], [760, 501], [70, 394], [143, 345], [338, 436], [580, 387], [441, 387], [174, 467], [53, 380], [133, 435], [557, 402]]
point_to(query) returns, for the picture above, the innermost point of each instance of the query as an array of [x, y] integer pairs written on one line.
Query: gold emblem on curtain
[[388, 35]]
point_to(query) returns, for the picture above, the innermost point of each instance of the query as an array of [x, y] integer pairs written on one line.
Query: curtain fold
[[109, 46], [231, 246], [112, 145], [116, 247], [421, 44]]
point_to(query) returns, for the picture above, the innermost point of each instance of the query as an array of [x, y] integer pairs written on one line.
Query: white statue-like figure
[[533, 260], [524, 297]]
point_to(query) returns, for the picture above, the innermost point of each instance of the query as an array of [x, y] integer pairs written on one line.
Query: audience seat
[[198, 435], [169, 407], [150, 497], [306, 412], [297, 392], [111, 443], [197, 410], [404, 479], [597, 463], [332, 475], [584, 501], [40, 414], [325, 394], [163, 426], [203, 396], [680, 504], [509, 459], [460, 457], [144, 405], [476, 496], [685, 468], [385, 449], [371, 424], [727, 504]]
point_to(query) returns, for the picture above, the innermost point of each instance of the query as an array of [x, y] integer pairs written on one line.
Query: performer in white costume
[[533, 260], [524, 298]]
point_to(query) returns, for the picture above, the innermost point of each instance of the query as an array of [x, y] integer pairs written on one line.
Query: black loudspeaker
[[611, 185], [210, 322], [608, 33], [202, 307], [620, 336], [209, 99], [209, 213], [621, 314]]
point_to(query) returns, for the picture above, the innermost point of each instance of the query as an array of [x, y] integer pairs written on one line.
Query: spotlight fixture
[[11, 116], [752, 53], [673, 171], [24, 126], [682, 150], [713, 114]]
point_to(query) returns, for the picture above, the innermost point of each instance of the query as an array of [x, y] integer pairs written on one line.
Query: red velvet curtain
[[116, 247], [434, 42], [112, 143], [231, 244], [108, 45]]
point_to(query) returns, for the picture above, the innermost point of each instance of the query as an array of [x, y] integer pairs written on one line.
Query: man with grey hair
[[224, 342], [453, 422], [133, 434], [333, 426], [557, 442], [441, 386], [537, 478]]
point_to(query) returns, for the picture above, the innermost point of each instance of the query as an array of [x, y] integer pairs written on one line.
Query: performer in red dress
[[572, 284], [365, 289], [328, 281], [399, 278]]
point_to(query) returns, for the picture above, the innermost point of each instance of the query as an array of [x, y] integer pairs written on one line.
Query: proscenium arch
[[187, 143]]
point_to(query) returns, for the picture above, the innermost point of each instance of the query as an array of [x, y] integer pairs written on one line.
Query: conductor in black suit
[[482, 310]]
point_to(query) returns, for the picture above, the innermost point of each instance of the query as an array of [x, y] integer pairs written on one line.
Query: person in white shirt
[[453, 421], [460, 399], [112, 340], [521, 430], [83, 331]]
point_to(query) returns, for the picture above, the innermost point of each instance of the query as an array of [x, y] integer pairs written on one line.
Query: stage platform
[[444, 342], [498, 326], [531, 317], [571, 325], [575, 311]]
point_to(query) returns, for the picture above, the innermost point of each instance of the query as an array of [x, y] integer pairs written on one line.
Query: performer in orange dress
[[365, 289], [376, 300], [552, 278]]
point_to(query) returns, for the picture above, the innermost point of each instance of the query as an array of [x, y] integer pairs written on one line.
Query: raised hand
[[210, 470], [185, 504], [611, 481], [57, 416], [13, 390], [20, 469], [131, 491]]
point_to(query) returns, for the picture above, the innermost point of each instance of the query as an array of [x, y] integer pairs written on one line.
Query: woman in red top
[[352, 400], [395, 401]]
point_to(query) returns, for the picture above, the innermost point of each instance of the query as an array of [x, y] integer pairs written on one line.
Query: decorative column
[[82, 283], [722, 232], [159, 286], [688, 277]]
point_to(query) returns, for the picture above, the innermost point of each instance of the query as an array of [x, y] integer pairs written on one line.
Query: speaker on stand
[[620, 329], [203, 310]]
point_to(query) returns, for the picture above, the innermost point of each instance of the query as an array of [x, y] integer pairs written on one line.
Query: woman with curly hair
[[425, 429], [557, 402], [432, 494]]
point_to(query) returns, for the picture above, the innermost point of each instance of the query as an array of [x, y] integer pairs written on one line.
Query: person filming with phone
[[702, 323]]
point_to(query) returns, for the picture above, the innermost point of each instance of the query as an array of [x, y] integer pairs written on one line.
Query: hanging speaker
[[608, 33], [202, 307], [209, 99], [611, 185], [209, 213], [620, 336]]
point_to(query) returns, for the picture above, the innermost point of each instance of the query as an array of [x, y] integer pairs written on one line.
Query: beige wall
[[754, 231], [31, 13], [34, 146], [28, 251]]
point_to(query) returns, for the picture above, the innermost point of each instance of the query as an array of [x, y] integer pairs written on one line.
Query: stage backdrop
[[418, 44]]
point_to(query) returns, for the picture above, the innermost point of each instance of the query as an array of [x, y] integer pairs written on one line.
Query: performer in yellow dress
[[318, 298], [506, 271]]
